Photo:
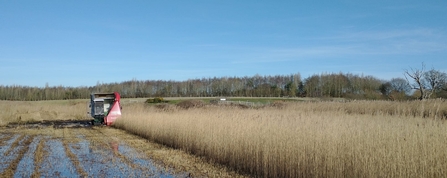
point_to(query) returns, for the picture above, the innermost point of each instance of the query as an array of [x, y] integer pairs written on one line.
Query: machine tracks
[[18, 147], [74, 152]]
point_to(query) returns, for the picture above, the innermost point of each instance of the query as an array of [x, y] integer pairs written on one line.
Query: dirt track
[[77, 152]]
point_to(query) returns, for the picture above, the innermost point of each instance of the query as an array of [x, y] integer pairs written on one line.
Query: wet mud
[[53, 123], [26, 164], [73, 151]]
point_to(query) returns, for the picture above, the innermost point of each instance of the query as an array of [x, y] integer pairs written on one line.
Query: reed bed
[[35, 111], [434, 109], [308, 139]]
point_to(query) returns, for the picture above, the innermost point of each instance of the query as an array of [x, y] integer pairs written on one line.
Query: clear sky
[[80, 43]]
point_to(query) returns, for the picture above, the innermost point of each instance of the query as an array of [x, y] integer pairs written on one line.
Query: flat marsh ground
[[93, 152], [308, 138], [30, 149]]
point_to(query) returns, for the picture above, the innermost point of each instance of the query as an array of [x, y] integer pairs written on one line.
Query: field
[[32, 147], [305, 138]]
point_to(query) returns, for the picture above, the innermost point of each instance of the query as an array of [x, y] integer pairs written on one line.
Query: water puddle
[[26, 165], [57, 163], [11, 155], [100, 162], [142, 161], [114, 160], [7, 144], [87, 153]]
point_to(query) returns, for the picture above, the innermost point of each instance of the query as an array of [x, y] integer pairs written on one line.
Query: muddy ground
[[81, 150]]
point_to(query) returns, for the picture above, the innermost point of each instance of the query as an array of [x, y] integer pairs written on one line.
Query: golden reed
[[307, 139]]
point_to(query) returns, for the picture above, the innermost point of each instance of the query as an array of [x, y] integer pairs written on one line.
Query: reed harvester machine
[[105, 108]]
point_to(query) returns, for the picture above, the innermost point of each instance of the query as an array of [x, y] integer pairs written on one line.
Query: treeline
[[321, 85]]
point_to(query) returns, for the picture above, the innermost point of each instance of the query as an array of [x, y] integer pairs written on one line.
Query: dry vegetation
[[70, 139], [35, 111], [95, 152], [306, 139], [302, 139]]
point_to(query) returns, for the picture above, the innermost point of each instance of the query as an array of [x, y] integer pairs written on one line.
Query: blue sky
[[80, 43]]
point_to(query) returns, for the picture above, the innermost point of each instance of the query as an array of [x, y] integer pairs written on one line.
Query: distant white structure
[[223, 99]]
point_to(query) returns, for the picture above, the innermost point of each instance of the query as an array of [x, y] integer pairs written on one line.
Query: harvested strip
[[6, 158], [114, 145], [142, 161], [69, 137], [14, 144], [56, 154], [38, 157], [95, 150], [26, 165], [130, 156], [10, 151], [74, 159], [9, 172], [7, 144], [5, 138], [139, 157], [101, 159]]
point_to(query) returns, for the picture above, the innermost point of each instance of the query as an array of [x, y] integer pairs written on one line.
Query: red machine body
[[115, 111], [105, 107]]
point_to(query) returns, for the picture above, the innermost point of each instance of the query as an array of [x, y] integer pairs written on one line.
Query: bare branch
[[417, 76]]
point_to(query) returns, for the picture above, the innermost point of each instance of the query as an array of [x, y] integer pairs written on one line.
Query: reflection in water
[[114, 145], [101, 162], [57, 163], [26, 165]]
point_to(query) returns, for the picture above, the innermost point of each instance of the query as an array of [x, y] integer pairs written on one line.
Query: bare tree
[[418, 84], [386, 88], [400, 85], [427, 82], [435, 79]]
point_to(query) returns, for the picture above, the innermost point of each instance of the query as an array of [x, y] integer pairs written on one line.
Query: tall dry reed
[[314, 139], [435, 108]]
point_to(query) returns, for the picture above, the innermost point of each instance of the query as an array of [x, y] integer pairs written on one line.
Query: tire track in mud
[[103, 152], [8, 152], [135, 155], [26, 165], [11, 169], [117, 145], [5, 138], [69, 139], [14, 145], [57, 163], [82, 152], [4, 151], [38, 157], [110, 146], [74, 160], [42, 152]]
